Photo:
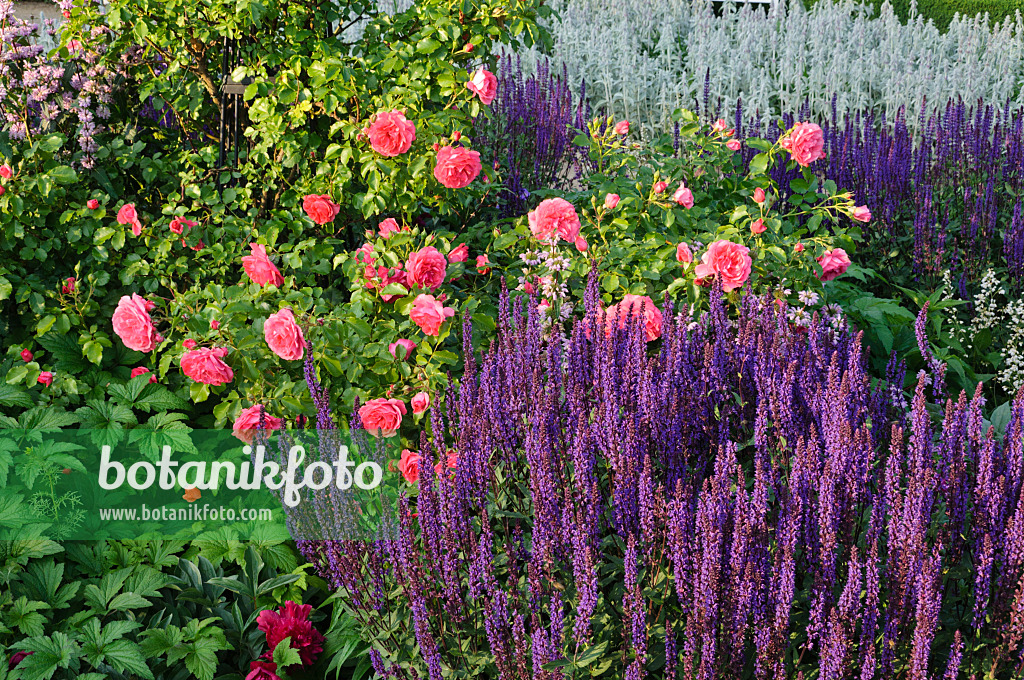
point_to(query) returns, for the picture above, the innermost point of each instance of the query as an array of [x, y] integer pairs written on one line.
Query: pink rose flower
[[610, 201], [133, 325], [805, 143], [248, 423], [214, 324], [450, 462], [409, 465], [719, 125], [861, 213], [127, 215], [320, 208], [178, 224], [391, 133], [92, 204], [759, 195], [619, 315], [459, 254], [834, 263], [733, 145], [2, 191], [481, 264], [456, 166], [730, 261], [205, 365], [68, 287], [758, 226], [554, 218], [26, 355], [429, 314], [798, 248], [389, 226], [659, 187], [6, 172], [407, 345], [364, 254], [259, 267], [683, 196], [622, 127], [283, 335], [683, 253], [483, 84], [378, 279], [142, 370], [46, 378], [189, 343], [426, 268], [420, 402], [581, 244], [382, 417], [262, 670]]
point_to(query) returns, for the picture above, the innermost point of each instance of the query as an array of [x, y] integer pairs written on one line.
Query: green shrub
[[942, 11]]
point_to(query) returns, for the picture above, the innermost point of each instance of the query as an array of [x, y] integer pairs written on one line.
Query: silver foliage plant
[[641, 59]]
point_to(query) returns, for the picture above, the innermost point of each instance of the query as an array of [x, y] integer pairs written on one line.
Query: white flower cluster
[[641, 60], [1011, 376]]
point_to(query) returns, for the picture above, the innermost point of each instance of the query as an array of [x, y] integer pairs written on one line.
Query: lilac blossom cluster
[[530, 135], [739, 499], [41, 95]]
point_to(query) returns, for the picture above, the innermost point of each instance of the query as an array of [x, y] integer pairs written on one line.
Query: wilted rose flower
[[382, 417], [391, 133], [248, 423], [259, 267], [484, 84], [133, 325], [205, 365], [283, 335], [456, 166]]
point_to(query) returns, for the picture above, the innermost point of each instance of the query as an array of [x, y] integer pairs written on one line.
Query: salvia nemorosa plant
[[737, 499]]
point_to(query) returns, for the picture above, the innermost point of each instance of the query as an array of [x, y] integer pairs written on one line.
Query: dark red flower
[[16, 659], [291, 621], [262, 670]]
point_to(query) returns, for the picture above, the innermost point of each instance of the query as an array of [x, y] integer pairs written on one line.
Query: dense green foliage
[[941, 12]]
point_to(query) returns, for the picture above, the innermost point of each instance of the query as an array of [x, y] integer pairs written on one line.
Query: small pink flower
[[610, 201], [248, 423], [729, 261], [581, 244], [388, 227], [320, 208], [758, 226], [733, 144], [459, 254], [554, 218], [456, 166], [259, 267], [205, 365], [133, 325], [142, 370], [426, 268], [481, 264], [759, 195], [798, 248], [26, 355], [683, 196], [45, 378], [659, 187], [262, 670], [284, 336], [189, 343], [429, 314], [364, 254], [622, 127], [391, 133], [469, 47], [178, 224], [834, 263], [619, 315], [420, 402], [382, 417], [683, 253], [409, 465], [451, 461], [861, 213], [68, 287], [92, 204], [214, 324], [719, 125], [127, 215], [407, 345], [2, 191], [6, 172], [483, 84], [805, 143]]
